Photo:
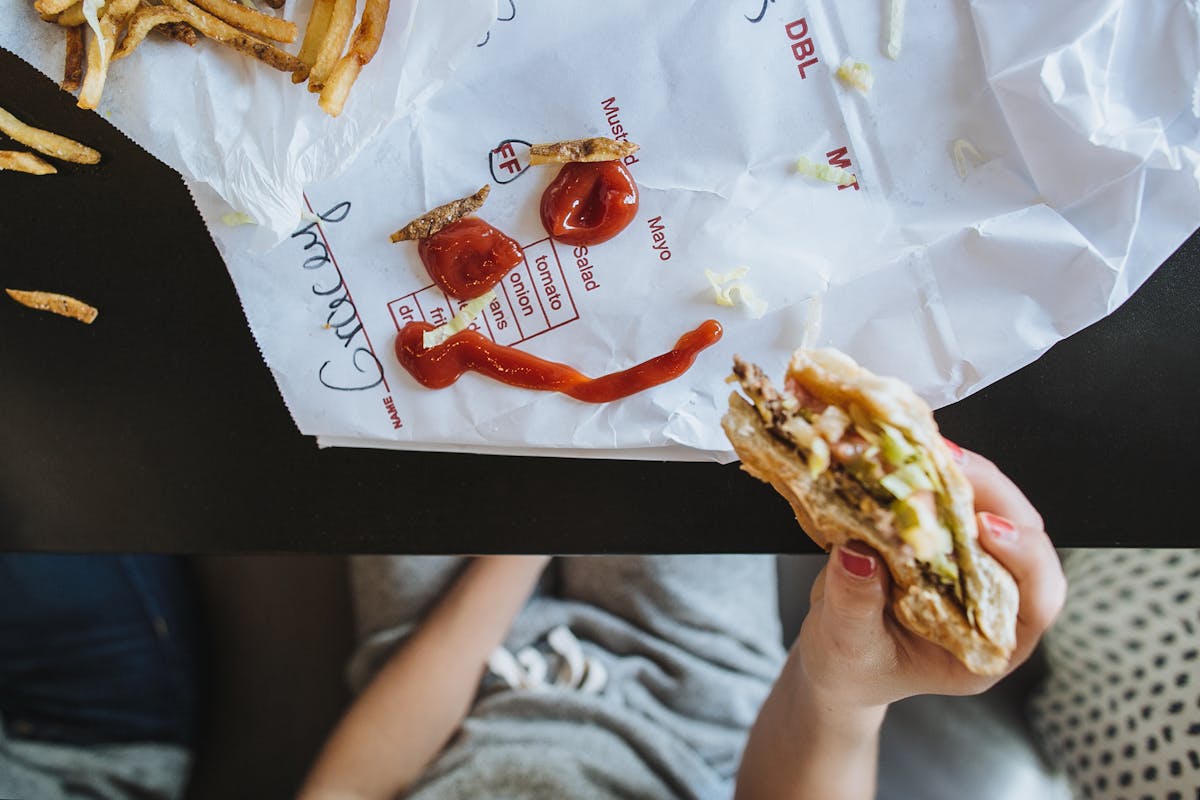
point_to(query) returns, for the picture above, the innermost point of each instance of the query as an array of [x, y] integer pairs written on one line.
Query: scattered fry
[[50, 144], [50, 7], [433, 221], [249, 20], [20, 161], [141, 23], [363, 48], [73, 68], [597, 149], [218, 31], [100, 49], [97, 72], [894, 30], [72, 17], [180, 32], [118, 27], [60, 304], [314, 33], [341, 18]]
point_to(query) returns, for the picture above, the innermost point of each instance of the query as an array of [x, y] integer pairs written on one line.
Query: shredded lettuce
[[728, 291], [914, 476], [963, 148], [460, 322], [895, 28], [832, 424], [919, 527], [719, 281], [824, 172], [896, 448], [856, 74], [896, 486], [812, 321], [235, 218]]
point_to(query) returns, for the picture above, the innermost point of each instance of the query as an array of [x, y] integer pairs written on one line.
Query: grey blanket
[[691, 645]]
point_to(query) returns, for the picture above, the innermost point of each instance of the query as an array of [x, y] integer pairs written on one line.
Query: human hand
[[853, 654]]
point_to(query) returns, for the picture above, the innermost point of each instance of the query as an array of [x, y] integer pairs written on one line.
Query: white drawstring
[[529, 669], [563, 642]]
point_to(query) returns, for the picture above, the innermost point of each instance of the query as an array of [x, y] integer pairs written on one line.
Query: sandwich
[[859, 457]]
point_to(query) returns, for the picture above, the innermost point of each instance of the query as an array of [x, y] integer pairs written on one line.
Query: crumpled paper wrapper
[[1088, 179]]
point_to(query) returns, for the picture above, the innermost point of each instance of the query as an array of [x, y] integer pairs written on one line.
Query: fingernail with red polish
[[999, 527], [859, 566], [956, 452]]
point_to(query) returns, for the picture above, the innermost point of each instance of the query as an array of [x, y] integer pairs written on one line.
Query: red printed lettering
[[586, 270], [658, 238], [803, 49], [512, 164], [797, 29], [405, 312], [612, 113], [390, 406], [840, 158]]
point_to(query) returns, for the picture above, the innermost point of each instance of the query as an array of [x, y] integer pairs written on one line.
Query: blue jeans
[[97, 649]]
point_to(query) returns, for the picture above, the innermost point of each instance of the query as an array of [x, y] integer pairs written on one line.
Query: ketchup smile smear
[[439, 366], [468, 257]]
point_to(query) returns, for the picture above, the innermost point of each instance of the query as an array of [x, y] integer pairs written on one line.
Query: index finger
[[997, 494]]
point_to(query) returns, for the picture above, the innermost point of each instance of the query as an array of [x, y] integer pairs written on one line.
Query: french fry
[[73, 68], [227, 35], [141, 23], [20, 161], [97, 71], [314, 34], [253, 22], [72, 17], [60, 304], [100, 49], [51, 7], [597, 149], [50, 144], [363, 48], [433, 221], [180, 32], [341, 19]]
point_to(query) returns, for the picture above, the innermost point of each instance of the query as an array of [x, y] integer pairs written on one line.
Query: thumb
[[856, 591]]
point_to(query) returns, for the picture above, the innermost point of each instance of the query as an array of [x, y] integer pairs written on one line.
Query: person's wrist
[[839, 709], [839, 713]]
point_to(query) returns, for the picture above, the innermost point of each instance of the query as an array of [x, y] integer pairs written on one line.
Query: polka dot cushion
[[1120, 710]]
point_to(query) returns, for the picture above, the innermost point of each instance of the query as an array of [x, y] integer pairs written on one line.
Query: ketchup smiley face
[[589, 202], [468, 257]]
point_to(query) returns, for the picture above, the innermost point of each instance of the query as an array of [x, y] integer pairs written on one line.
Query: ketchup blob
[[468, 257], [439, 366], [589, 202]]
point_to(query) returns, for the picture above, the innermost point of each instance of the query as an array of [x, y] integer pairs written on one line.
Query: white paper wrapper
[[244, 129], [1082, 114]]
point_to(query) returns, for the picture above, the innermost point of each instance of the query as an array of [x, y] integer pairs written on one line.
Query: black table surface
[[159, 428]]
